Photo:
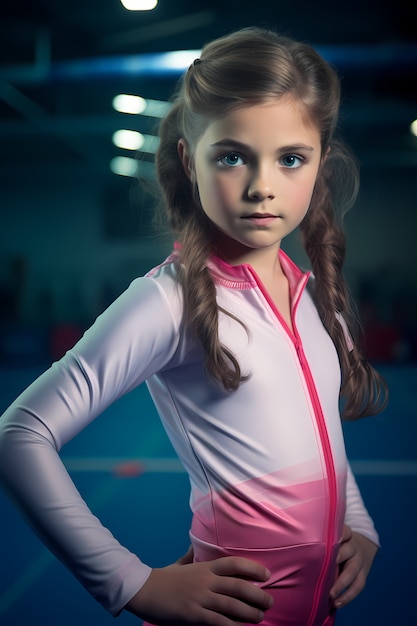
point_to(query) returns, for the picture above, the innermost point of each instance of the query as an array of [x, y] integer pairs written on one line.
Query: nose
[[261, 185]]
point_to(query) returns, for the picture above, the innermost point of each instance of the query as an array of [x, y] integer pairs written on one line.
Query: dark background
[[73, 235]]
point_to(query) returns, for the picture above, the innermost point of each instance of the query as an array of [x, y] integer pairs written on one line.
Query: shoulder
[[150, 300], [136, 336], [165, 276]]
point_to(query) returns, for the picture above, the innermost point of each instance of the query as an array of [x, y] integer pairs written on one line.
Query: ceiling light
[[125, 103], [128, 139], [177, 60], [136, 105], [124, 166], [413, 128], [139, 5], [127, 166], [133, 140]]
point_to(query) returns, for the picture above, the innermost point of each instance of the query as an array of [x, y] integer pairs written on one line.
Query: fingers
[[235, 609], [346, 551], [237, 596], [355, 557], [240, 567], [349, 584], [214, 593], [245, 592], [231, 573]]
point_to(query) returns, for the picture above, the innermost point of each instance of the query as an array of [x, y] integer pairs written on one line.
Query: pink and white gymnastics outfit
[[267, 463]]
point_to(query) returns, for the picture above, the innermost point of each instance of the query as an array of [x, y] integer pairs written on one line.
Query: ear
[[185, 158]]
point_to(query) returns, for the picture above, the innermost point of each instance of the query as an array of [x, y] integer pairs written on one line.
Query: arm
[[123, 348], [133, 338], [360, 544]]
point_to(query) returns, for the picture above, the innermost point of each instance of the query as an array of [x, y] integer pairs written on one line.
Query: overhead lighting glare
[[136, 105], [132, 168], [178, 59], [139, 5], [128, 139], [413, 128], [124, 166], [133, 140], [125, 103]]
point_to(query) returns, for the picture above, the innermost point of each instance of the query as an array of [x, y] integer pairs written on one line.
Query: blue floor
[[149, 513]]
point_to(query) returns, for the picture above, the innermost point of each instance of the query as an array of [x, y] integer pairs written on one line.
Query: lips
[[260, 219]]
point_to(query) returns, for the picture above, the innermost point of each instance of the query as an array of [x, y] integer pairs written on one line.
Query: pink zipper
[[331, 475], [321, 424]]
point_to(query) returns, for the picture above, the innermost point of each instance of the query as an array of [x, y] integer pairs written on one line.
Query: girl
[[246, 358]]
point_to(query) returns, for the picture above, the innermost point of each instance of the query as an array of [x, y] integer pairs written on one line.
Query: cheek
[[302, 195], [219, 191], [225, 190]]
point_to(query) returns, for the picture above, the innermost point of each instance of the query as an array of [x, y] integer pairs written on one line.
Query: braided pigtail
[[202, 308], [363, 390], [195, 235]]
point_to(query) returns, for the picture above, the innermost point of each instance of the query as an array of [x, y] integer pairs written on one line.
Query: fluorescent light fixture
[[128, 139], [125, 103], [124, 166], [178, 60], [133, 140], [139, 5], [136, 105], [413, 128], [133, 168]]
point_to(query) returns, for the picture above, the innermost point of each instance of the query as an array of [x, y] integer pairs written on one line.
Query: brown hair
[[247, 67]]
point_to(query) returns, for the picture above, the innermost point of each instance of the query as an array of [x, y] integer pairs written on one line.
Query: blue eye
[[231, 159], [292, 161]]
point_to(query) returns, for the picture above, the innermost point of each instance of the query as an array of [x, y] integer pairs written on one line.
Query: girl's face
[[255, 170]]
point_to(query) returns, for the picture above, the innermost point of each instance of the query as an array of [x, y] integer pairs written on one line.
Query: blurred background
[[76, 228]]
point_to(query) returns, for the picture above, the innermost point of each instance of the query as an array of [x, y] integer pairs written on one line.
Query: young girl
[[247, 359]]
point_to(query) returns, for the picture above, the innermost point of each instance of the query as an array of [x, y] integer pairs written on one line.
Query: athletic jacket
[[267, 464]]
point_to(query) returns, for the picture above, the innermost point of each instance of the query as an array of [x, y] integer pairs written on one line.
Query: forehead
[[282, 120]]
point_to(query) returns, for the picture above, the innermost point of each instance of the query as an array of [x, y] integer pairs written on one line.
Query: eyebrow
[[242, 146]]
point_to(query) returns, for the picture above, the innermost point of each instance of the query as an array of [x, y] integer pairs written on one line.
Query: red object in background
[[381, 343], [63, 337], [128, 469]]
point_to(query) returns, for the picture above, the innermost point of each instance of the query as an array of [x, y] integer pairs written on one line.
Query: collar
[[244, 276], [241, 277]]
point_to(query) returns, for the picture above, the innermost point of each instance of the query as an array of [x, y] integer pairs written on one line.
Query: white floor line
[[168, 465], [384, 468], [171, 465]]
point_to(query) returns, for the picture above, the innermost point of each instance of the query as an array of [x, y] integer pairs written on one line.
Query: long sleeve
[[357, 517], [135, 337]]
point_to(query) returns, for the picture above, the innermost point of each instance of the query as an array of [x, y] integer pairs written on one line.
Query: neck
[[265, 261]]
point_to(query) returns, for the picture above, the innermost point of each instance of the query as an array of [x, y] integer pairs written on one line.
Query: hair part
[[249, 67]]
